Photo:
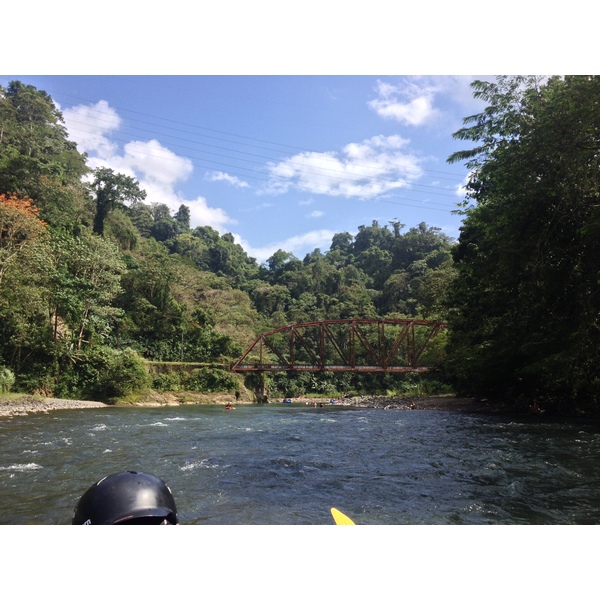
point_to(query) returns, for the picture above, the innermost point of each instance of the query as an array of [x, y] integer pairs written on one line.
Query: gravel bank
[[451, 403], [18, 406], [23, 405], [432, 403]]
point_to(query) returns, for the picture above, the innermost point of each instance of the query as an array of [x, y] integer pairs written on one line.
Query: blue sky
[[282, 162], [285, 127]]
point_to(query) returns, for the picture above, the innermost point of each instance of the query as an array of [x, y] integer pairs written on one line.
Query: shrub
[[211, 380], [167, 382], [125, 374], [199, 380], [7, 380], [107, 373]]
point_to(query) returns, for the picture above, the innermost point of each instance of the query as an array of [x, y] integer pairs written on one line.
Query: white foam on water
[[22, 467], [200, 464]]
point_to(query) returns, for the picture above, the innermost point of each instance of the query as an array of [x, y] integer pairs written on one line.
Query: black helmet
[[128, 498]]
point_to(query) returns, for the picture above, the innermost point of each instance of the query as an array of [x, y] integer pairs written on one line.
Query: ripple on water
[[22, 467], [204, 463]]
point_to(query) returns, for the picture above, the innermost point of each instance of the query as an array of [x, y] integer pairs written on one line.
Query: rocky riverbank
[[401, 403], [23, 405]]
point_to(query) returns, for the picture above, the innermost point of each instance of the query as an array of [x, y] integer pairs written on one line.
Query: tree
[[24, 271], [141, 217], [342, 241], [86, 280], [37, 159], [152, 320], [193, 248], [33, 142], [372, 236], [279, 263], [20, 228], [182, 216], [112, 190], [376, 263], [270, 299], [525, 304]]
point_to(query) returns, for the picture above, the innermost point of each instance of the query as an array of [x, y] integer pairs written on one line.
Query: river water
[[289, 464]]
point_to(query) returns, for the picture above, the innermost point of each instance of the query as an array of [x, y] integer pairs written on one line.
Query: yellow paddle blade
[[340, 518]]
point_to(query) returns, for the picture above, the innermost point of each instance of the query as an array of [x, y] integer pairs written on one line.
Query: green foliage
[[7, 379], [124, 374], [104, 374], [114, 279], [34, 149], [198, 380], [418, 386], [295, 385], [84, 283], [112, 190], [524, 306]]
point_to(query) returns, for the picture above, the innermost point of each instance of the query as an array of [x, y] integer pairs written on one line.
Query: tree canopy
[[525, 305]]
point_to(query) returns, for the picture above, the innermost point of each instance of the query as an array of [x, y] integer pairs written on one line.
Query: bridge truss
[[357, 345]]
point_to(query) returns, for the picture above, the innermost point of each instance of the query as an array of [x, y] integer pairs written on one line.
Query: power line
[[314, 188], [300, 170], [286, 146]]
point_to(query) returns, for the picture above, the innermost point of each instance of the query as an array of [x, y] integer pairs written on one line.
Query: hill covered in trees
[[95, 281]]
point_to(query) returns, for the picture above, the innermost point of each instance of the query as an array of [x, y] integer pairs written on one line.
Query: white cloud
[[90, 125], [298, 245], [428, 100], [231, 179], [410, 103], [156, 164], [262, 206], [461, 188], [361, 170], [202, 214], [315, 214], [158, 169]]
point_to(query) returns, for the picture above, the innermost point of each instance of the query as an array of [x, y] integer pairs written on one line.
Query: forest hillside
[[98, 286]]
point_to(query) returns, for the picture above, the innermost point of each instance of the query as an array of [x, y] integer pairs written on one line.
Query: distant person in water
[[128, 498], [534, 409]]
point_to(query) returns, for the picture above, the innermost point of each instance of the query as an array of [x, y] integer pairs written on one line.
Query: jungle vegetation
[[95, 281], [525, 304]]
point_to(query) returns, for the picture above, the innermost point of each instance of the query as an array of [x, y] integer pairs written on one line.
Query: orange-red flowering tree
[[20, 227]]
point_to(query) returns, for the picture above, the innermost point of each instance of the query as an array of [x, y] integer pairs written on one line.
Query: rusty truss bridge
[[357, 345]]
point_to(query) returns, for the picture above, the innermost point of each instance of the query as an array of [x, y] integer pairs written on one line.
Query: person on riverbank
[[128, 498]]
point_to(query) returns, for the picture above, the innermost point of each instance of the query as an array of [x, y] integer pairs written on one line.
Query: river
[[289, 464]]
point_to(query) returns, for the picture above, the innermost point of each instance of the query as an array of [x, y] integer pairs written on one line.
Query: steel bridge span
[[342, 345]]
